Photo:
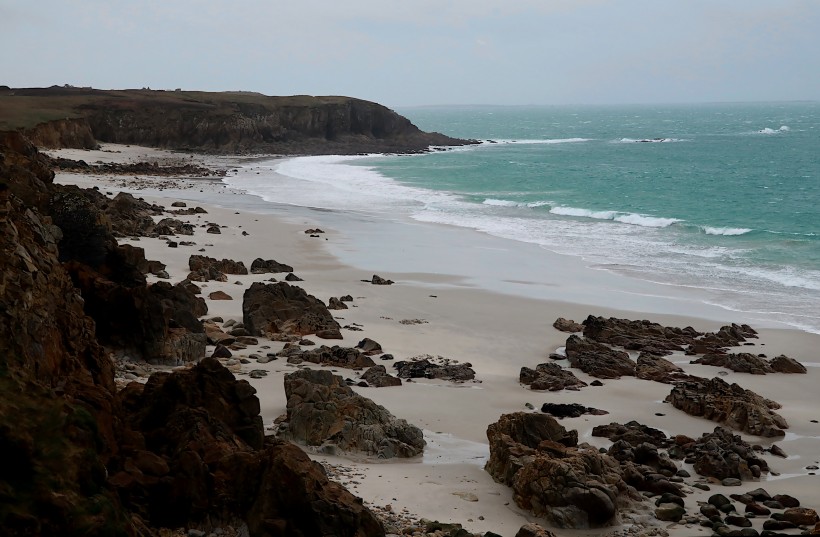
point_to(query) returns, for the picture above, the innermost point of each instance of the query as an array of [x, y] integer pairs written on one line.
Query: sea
[[722, 199]]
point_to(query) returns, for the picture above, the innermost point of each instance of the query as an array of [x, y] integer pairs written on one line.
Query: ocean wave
[[536, 141], [730, 231], [534, 204], [624, 218], [649, 140], [502, 203], [767, 130]]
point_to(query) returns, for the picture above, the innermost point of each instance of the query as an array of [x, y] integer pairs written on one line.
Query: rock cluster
[[205, 268], [729, 405], [598, 360], [323, 410], [550, 475], [425, 367], [269, 266], [335, 356], [745, 362]]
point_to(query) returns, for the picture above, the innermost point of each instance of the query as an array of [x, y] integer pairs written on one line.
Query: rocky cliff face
[[223, 122], [185, 450]]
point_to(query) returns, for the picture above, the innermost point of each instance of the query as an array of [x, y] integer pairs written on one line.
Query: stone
[[669, 512], [291, 277], [424, 368], [368, 347], [220, 295], [598, 360], [329, 356], [550, 376], [570, 410], [658, 369], [565, 325], [336, 304], [738, 520], [743, 362], [532, 530], [378, 280], [269, 309], [261, 266], [569, 486], [729, 405], [800, 516], [321, 408], [378, 377], [784, 364]]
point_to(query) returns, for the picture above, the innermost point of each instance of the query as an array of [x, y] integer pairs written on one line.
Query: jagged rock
[[571, 487], [721, 454], [378, 377], [659, 369], [729, 405], [199, 263], [424, 368], [280, 308], [570, 410], [597, 359], [378, 280], [322, 409], [291, 277], [336, 304], [550, 376], [743, 362], [261, 266], [565, 325], [632, 432], [369, 347], [330, 356], [173, 226], [221, 351], [800, 516], [784, 364], [533, 530]]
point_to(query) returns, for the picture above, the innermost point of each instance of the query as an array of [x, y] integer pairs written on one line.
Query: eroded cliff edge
[[226, 122]]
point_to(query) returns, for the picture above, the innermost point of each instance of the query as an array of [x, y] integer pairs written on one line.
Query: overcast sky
[[417, 52]]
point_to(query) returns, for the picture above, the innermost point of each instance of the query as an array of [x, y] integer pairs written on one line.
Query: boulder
[[378, 377], [280, 308], [533, 530], [220, 295], [565, 325], [424, 368], [801, 516], [328, 356], [784, 364], [659, 369], [336, 304], [729, 405], [369, 347], [569, 486], [721, 454], [597, 359], [570, 410], [262, 266], [200, 264], [378, 280], [322, 409], [550, 376], [743, 362]]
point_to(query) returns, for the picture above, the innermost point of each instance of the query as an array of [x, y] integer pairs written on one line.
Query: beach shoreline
[[490, 323]]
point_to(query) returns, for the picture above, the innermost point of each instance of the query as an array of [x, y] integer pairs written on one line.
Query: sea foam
[[624, 218], [729, 231]]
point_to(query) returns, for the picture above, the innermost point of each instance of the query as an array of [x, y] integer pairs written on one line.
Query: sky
[[424, 52]]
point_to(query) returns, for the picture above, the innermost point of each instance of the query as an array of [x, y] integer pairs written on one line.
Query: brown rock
[[784, 364], [329, 356], [658, 369], [565, 325], [729, 405], [220, 295], [261, 266], [378, 377], [800, 516], [597, 359], [322, 409], [336, 304], [533, 530], [550, 376], [743, 362], [283, 308]]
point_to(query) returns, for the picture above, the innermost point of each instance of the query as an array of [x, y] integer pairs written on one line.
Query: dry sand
[[496, 333]]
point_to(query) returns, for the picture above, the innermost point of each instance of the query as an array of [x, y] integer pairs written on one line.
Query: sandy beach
[[471, 298]]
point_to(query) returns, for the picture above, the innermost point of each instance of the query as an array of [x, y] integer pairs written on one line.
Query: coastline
[[498, 329]]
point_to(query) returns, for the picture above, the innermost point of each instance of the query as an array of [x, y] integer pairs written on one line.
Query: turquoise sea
[[721, 197]]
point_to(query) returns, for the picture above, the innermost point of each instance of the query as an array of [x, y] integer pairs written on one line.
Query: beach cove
[[473, 298]]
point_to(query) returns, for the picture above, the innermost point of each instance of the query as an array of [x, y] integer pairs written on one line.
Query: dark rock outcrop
[[729, 405], [566, 325], [262, 266], [570, 410], [281, 308], [743, 362], [570, 486], [550, 376], [424, 368], [378, 377], [784, 364], [205, 268], [335, 356], [721, 454], [597, 359], [659, 369], [322, 409]]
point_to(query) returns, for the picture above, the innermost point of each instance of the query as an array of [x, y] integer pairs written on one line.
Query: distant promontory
[[215, 122]]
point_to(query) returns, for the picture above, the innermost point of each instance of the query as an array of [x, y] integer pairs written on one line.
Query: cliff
[[185, 450], [227, 122]]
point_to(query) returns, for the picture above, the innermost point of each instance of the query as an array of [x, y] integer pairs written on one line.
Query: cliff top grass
[[24, 108]]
